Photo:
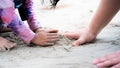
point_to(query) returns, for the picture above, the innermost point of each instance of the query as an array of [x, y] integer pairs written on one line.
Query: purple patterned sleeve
[[33, 23], [21, 30], [9, 17]]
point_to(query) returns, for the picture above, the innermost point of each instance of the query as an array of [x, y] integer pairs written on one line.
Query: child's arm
[[32, 21], [12, 21], [9, 17]]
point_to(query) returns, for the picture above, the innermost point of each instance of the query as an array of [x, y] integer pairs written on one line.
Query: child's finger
[[2, 47], [48, 44], [52, 40], [10, 45], [7, 47], [52, 31], [52, 34]]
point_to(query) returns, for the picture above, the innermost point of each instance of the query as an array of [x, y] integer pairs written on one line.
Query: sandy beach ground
[[69, 15]]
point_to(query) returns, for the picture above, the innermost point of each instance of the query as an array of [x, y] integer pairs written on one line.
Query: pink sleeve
[[9, 17], [33, 23]]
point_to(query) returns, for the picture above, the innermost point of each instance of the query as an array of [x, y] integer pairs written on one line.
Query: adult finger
[[52, 37], [72, 35], [105, 58], [80, 41], [108, 63], [116, 66]]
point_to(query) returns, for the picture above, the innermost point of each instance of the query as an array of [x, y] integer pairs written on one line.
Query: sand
[[69, 15]]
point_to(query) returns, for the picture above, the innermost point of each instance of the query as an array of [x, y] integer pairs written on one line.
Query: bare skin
[[82, 36], [42, 38], [45, 37], [110, 60], [101, 18], [6, 44]]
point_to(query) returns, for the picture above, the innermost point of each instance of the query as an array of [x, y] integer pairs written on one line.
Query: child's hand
[[45, 38], [83, 36], [46, 30]]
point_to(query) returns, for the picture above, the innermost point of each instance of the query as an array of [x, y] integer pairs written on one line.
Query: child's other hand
[[83, 36], [45, 38]]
